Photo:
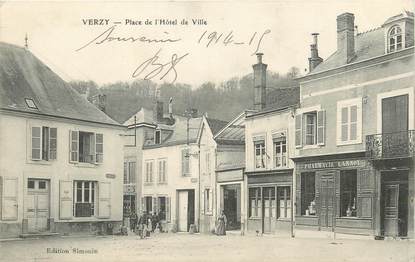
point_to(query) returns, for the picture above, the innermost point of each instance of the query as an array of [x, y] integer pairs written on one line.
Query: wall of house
[[175, 180], [366, 83], [267, 125], [15, 162]]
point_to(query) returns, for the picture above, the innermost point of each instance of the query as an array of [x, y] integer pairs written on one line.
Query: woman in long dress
[[221, 228]]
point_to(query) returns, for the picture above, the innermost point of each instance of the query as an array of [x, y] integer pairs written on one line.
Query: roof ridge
[[370, 30]]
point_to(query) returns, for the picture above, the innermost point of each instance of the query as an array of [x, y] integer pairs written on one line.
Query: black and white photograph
[[196, 130]]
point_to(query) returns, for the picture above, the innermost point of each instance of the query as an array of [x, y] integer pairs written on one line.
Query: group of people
[[147, 223], [144, 224]]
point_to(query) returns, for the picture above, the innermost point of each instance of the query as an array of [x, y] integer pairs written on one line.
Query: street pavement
[[198, 247]]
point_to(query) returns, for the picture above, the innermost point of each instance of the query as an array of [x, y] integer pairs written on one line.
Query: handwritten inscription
[[152, 68], [228, 39]]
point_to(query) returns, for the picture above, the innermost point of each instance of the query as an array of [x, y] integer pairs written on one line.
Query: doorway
[[37, 205], [269, 208], [186, 209], [327, 202], [394, 204], [232, 206]]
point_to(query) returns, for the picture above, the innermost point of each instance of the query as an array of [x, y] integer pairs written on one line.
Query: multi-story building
[[354, 135], [269, 144], [170, 183], [61, 157]]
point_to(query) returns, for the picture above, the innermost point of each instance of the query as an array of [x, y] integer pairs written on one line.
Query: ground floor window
[[284, 202], [162, 207], [348, 193], [84, 198], [308, 193], [128, 205], [148, 204], [255, 202]]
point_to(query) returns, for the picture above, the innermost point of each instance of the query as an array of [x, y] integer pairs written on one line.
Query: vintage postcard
[[207, 130]]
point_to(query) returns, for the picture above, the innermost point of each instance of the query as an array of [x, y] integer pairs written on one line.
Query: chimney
[[314, 60], [99, 101], [193, 112], [158, 111], [345, 36], [260, 76], [171, 107]]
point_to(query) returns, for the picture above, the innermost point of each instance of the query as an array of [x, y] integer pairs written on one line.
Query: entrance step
[[38, 235]]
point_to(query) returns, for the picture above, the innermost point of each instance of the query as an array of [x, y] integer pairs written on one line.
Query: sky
[[56, 31]]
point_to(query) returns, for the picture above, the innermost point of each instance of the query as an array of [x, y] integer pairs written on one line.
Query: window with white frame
[[84, 198], [310, 128], [208, 200], [86, 147], [349, 121], [260, 154], [255, 202], [395, 39], [43, 143], [149, 165], [162, 171], [129, 172], [280, 151]]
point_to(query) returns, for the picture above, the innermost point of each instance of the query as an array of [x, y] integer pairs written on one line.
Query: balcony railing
[[391, 145]]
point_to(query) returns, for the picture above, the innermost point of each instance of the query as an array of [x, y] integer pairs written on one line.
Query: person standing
[[221, 227], [142, 226], [154, 222], [133, 221]]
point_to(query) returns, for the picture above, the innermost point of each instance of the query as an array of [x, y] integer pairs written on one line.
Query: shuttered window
[[43, 143], [162, 172], [298, 130], [86, 147], [99, 148], [149, 171], [349, 121]]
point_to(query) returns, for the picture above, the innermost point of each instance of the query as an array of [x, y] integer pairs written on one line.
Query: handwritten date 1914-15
[[152, 68], [229, 39]]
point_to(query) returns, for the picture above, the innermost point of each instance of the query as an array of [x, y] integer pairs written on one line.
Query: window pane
[[344, 132], [31, 184], [348, 193], [353, 131], [353, 113], [308, 193], [42, 184]]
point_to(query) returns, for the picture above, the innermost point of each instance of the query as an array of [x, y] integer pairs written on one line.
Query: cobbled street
[[186, 247]]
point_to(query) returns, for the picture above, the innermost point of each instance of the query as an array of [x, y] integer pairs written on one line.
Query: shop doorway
[[394, 204], [186, 209], [268, 210], [232, 206], [37, 205], [327, 194]]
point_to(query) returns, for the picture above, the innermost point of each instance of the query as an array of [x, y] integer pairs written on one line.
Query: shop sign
[[333, 164], [111, 176]]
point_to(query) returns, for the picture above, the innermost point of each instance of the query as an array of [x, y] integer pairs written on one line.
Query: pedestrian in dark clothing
[[133, 221], [142, 226], [154, 222]]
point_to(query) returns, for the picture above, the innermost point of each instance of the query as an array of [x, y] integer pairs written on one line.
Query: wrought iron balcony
[[391, 145]]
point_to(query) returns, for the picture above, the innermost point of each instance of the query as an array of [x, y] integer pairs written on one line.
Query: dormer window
[[157, 137], [395, 39], [30, 103]]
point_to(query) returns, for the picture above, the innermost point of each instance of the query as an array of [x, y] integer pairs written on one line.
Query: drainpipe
[[198, 209]]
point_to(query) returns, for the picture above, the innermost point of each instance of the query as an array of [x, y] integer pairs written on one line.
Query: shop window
[[284, 202], [255, 202], [128, 204], [84, 198], [280, 152], [260, 158], [348, 193], [308, 193]]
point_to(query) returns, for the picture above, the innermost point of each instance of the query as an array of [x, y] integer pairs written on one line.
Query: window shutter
[[65, 199], [185, 160], [165, 171], [92, 149], [9, 204], [168, 213], [74, 146], [36, 138], [53, 143], [298, 194], [104, 198], [210, 200], [160, 171], [298, 130], [321, 127], [99, 148], [151, 171], [143, 204]]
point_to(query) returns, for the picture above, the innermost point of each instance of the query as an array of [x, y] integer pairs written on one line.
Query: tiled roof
[[23, 76], [216, 125], [282, 97], [367, 45]]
